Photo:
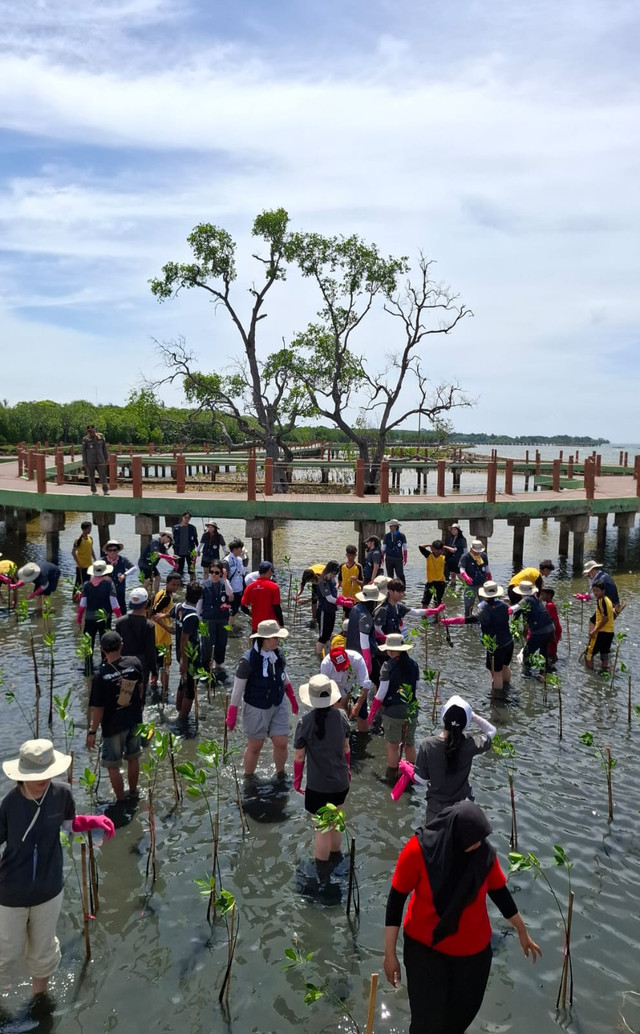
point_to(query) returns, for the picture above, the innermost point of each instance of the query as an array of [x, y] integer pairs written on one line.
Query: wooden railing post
[[442, 468], [30, 464], [589, 478], [384, 481], [268, 476], [251, 478], [41, 473], [59, 467], [113, 472], [180, 473], [570, 467], [360, 477], [537, 461], [72, 452], [598, 465], [136, 476], [555, 486], [492, 475], [636, 473], [508, 477], [20, 460]]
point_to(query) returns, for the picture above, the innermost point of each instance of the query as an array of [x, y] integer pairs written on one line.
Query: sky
[[498, 137]]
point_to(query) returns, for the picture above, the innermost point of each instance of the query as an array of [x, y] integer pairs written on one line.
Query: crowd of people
[[367, 675]]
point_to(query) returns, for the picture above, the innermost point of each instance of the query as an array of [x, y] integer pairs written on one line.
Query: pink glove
[[432, 611], [583, 596], [83, 823], [453, 621], [375, 707], [465, 578], [79, 615], [345, 601], [3, 578], [291, 697], [380, 637], [298, 771], [117, 612], [347, 757], [170, 559], [36, 592], [406, 777], [405, 557], [232, 717], [488, 575]]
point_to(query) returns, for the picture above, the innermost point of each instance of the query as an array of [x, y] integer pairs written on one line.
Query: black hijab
[[455, 875]]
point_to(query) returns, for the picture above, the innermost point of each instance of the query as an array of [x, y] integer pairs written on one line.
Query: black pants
[[395, 567], [432, 589], [189, 561], [215, 642], [96, 629], [537, 641], [445, 991]]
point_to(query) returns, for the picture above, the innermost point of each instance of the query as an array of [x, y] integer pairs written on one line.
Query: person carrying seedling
[[600, 628]]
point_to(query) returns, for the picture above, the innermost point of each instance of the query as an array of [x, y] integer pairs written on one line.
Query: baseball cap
[[265, 566], [339, 658], [138, 596]]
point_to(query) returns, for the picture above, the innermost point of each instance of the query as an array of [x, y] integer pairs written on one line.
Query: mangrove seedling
[[520, 863], [432, 680], [619, 639], [412, 708], [315, 985], [192, 654], [63, 711], [22, 613], [225, 904], [331, 819], [608, 763], [566, 609], [490, 643], [49, 639], [161, 746], [507, 753]]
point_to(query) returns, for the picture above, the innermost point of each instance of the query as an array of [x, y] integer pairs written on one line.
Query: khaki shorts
[[28, 935], [260, 722], [393, 730]]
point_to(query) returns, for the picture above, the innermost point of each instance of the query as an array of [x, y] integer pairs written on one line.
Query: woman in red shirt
[[450, 868]]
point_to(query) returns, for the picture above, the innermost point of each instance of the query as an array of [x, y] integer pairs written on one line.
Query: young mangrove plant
[[225, 906], [63, 711], [331, 819], [11, 698], [49, 639], [566, 612], [619, 640], [490, 643], [608, 763], [520, 863], [432, 680], [412, 707], [553, 682], [162, 746], [22, 614], [507, 753], [317, 987], [192, 654]]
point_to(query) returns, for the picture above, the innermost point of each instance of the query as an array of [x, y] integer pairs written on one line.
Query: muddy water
[[156, 964]]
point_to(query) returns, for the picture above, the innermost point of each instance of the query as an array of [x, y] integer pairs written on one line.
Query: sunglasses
[[211, 571]]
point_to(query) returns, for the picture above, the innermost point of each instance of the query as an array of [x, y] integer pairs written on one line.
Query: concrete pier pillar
[[519, 524], [623, 522], [103, 522], [579, 525], [365, 529], [146, 525], [260, 531], [51, 524], [481, 528], [601, 540], [563, 538]]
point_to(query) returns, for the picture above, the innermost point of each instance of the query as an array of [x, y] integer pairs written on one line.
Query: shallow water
[[155, 961]]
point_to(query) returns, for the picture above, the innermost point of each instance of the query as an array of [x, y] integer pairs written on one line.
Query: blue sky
[[501, 138]]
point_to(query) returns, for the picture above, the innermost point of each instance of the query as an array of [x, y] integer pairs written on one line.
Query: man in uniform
[[95, 456]]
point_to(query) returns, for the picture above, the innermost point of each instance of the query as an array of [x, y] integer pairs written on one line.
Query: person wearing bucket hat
[[31, 867], [394, 550], [98, 602], [44, 576], [539, 625], [261, 684], [327, 595], [594, 572], [535, 575], [493, 618], [211, 546], [153, 552], [474, 571], [122, 568], [397, 696], [448, 868], [349, 672], [322, 740], [444, 760]]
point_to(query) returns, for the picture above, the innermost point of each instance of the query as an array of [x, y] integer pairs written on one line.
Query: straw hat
[[590, 566], [319, 691], [477, 546], [269, 630], [210, 524], [525, 589], [38, 760], [99, 568], [395, 642], [458, 701], [490, 590], [370, 594], [29, 572]]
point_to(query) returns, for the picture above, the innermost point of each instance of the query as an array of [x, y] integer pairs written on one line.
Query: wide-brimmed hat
[[38, 760], [210, 524], [269, 630], [114, 544], [477, 546], [395, 641], [382, 581], [588, 568], [490, 590], [370, 594], [454, 526], [29, 572], [138, 596], [99, 568], [168, 533], [525, 589], [458, 701], [319, 691], [394, 521]]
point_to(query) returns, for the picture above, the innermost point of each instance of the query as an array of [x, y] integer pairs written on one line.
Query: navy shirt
[[31, 870]]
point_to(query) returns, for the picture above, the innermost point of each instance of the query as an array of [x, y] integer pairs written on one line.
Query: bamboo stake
[[93, 871], [174, 775], [230, 955], [372, 1003], [435, 699], [151, 857], [85, 902], [513, 839], [559, 710], [567, 959], [352, 867], [426, 643], [239, 800], [196, 708], [609, 786], [225, 733], [37, 682], [629, 702]]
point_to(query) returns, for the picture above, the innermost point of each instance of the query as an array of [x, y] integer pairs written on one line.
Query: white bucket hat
[[477, 546], [590, 566], [38, 760], [269, 630], [370, 594], [99, 568], [393, 522], [525, 589], [29, 572], [382, 581], [490, 591], [319, 691], [395, 642], [458, 701]]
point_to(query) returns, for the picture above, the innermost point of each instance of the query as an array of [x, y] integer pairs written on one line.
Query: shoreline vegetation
[[144, 419]]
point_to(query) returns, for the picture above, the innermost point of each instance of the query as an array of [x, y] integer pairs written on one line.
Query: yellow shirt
[[435, 568], [350, 576], [317, 568], [84, 551], [162, 604], [527, 574], [604, 613]]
